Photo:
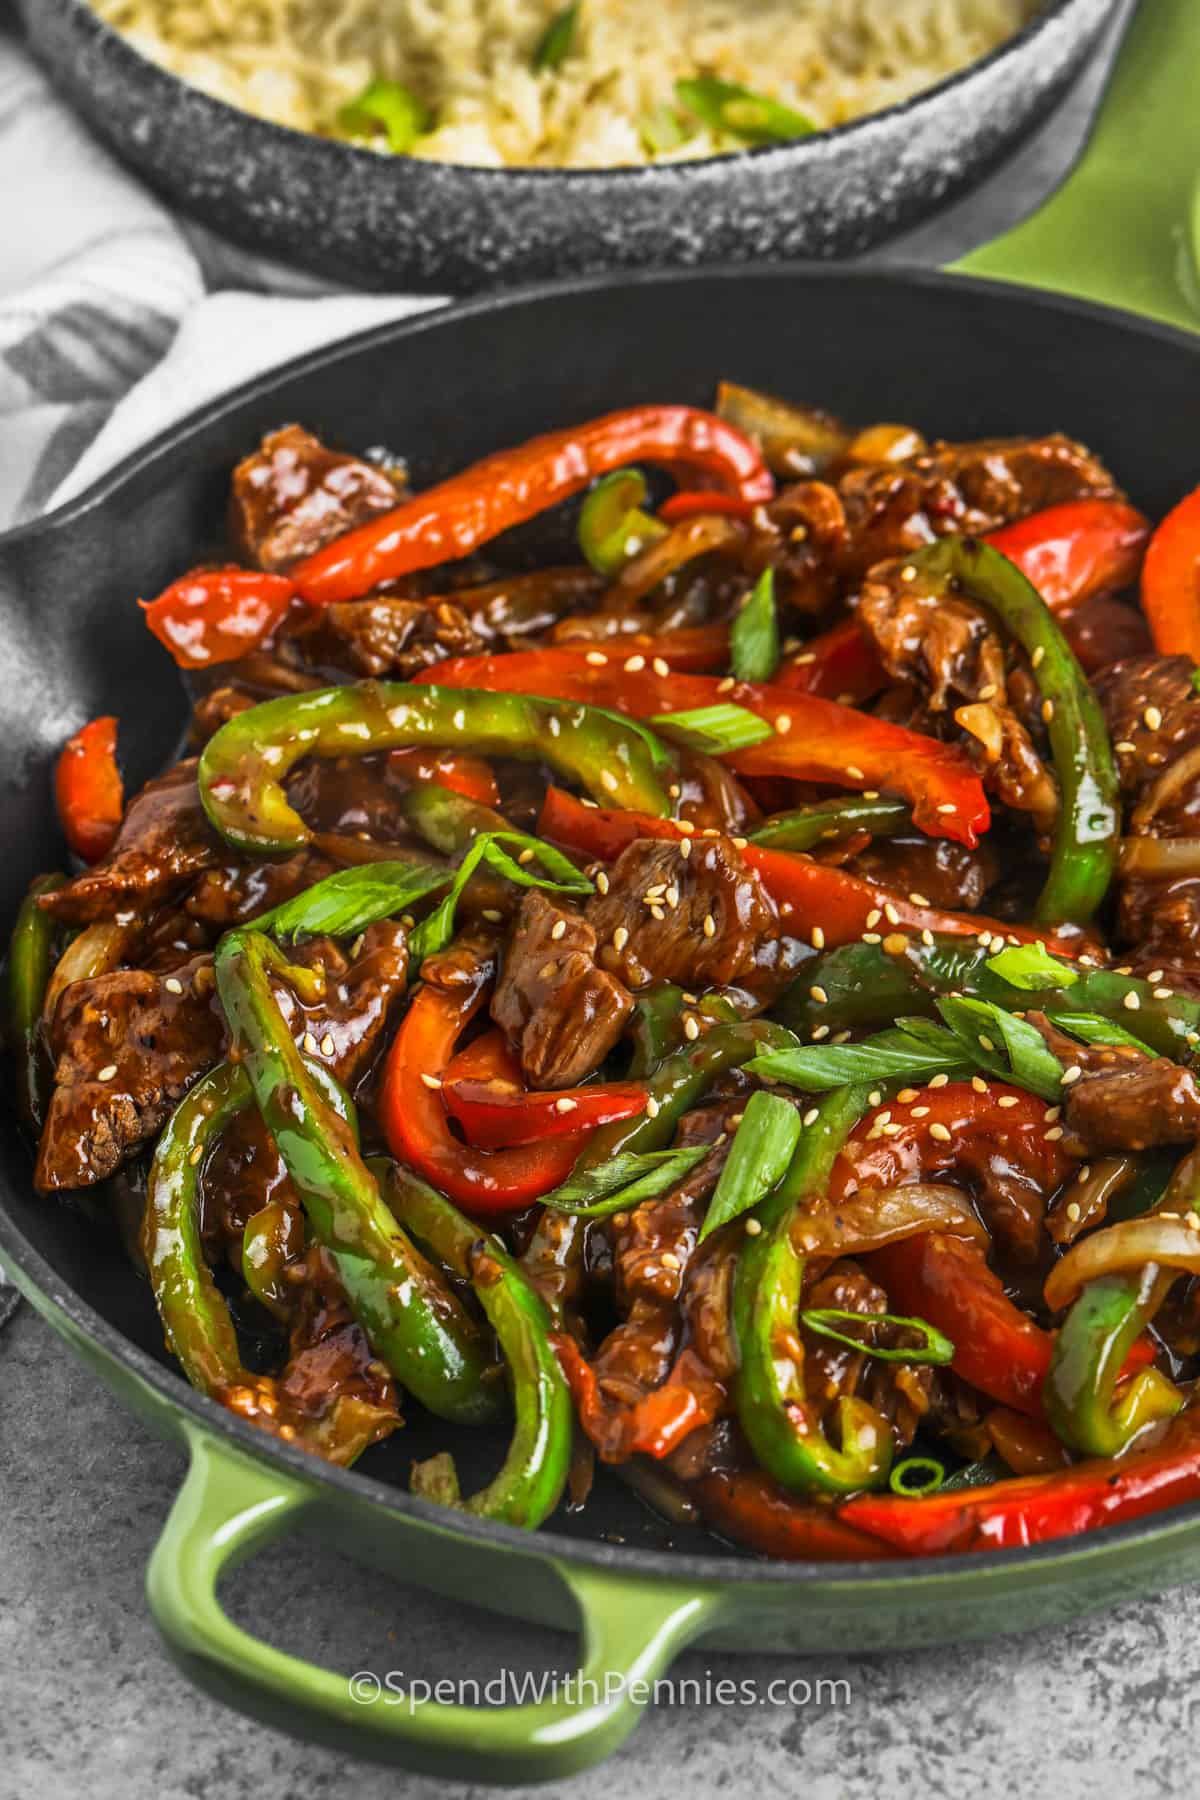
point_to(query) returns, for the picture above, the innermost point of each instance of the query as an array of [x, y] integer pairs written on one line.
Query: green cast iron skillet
[[956, 356]]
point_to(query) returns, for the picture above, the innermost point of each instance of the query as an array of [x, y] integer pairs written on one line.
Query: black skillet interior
[[957, 359]]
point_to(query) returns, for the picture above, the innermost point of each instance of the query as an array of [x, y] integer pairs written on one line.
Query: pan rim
[[957, 1574], [622, 176]]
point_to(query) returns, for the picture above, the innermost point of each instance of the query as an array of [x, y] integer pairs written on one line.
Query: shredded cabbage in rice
[[298, 62]]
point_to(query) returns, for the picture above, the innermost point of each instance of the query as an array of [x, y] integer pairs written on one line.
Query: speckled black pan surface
[[380, 221]]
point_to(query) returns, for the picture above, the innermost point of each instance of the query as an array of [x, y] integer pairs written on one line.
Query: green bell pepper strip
[[1087, 837], [26, 975], [825, 821], [245, 763], [530, 1483], [413, 1323], [865, 985], [612, 525], [1090, 1349], [781, 1424], [448, 822]]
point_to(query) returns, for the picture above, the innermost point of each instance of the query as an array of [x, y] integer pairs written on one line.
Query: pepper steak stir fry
[[726, 1003]]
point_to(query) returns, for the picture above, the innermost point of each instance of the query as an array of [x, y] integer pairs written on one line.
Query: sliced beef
[[949, 650], [894, 508], [832, 1372], [691, 913], [129, 1046], [293, 496], [1124, 1100], [507, 612], [802, 536], [562, 1012], [1153, 717], [387, 635], [164, 840], [238, 891], [344, 1027], [946, 874]]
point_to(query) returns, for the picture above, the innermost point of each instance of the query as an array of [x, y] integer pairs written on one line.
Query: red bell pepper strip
[[457, 516], [807, 893], [749, 1508], [814, 739], [1171, 581], [88, 789], [841, 664], [416, 1126], [1033, 1509], [689, 504], [938, 1277], [1074, 551], [692, 647], [218, 615], [495, 1115], [486, 1058], [470, 776], [656, 1424]]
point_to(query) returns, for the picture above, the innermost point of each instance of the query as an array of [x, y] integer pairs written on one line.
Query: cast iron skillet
[[356, 217], [960, 357]]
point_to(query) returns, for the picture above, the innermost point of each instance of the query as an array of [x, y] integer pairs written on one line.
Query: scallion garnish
[[824, 1320], [560, 875], [391, 107], [557, 41], [347, 902], [762, 1149], [1031, 968], [755, 118], [916, 1476], [716, 730], [623, 1181], [754, 634]]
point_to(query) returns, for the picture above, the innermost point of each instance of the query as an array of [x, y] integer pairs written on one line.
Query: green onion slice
[[754, 635], [824, 1320], [755, 118], [916, 1476], [389, 105], [759, 1157]]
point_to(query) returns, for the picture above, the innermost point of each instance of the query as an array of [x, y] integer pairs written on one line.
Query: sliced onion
[[1164, 1239], [683, 544], [1174, 778], [97, 949], [1160, 856], [1089, 1195], [795, 440], [874, 1217]]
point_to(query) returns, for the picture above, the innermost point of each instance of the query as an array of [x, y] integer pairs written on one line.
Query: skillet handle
[[1124, 228], [230, 1506]]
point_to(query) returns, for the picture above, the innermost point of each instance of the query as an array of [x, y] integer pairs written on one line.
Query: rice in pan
[[610, 96]]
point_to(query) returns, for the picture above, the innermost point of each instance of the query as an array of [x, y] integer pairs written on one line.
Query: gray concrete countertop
[[89, 1703]]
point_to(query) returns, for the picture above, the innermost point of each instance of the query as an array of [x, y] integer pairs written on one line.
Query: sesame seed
[[854, 773], [672, 897], [526, 856], [1074, 1212], [927, 937], [920, 1112], [988, 691], [818, 938], [939, 1132], [1054, 1133], [819, 995], [687, 828], [890, 1130], [890, 914], [734, 1120], [947, 807], [652, 1108], [1007, 1100], [908, 573], [710, 926], [870, 793], [669, 1260], [173, 985], [979, 1084], [1193, 1221], [724, 687], [1131, 1001], [1036, 658], [1071, 1075], [1125, 748], [558, 929], [597, 658], [783, 723], [660, 666], [1051, 1113], [431, 1081], [674, 790], [1161, 993], [685, 850], [1155, 975], [635, 664], [918, 899], [875, 1097], [985, 938], [1192, 1037], [460, 720], [657, 914], [895, 943], [565, 1104], [620, 937], [309, 1043], [871, 937], [753, 1227], [691, 1028], [655, 891], [938, 1081], [986, 1042], [1047, 710], [608, 781], [906, 1096], [327, 1044], [873, 918], [811, 1116], [196, 1155], [1152, 717], [492, 916], [818, 1032]]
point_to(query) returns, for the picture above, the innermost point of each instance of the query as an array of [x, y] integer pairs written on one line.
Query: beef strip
[[164, 840], [129, 1046], [293, 496], [1153, 716], [344, 1027], [832, 1371], [387, 635], [562, 1012], [894, 508], [946, 874], [801, 536], [1124, 1100], [949, 649], [236, 891], [691, 913]]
